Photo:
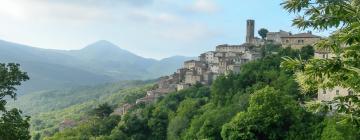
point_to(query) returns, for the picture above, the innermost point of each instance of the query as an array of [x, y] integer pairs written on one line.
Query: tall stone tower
[[250, 31]]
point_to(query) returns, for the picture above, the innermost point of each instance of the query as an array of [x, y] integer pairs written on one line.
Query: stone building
[[123, 109], [297, 41], [192, 78], [182, 86], [330, 94], [226, 58], [323, 54], [209, 57], [230, 48], [193, 64], [181, 72], [275, 37]]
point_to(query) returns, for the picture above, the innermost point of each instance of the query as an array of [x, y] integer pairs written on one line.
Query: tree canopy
[[270, 115], [12, 125], [263, 33], [343, 69]]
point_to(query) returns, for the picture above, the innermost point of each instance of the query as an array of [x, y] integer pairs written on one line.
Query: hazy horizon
[[149, 28]]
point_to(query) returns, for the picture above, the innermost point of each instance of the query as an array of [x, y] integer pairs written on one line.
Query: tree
[[307, 52], [339, 131], [263, 33], [344, 68], [271, 115], [12, 125], [103, 110]]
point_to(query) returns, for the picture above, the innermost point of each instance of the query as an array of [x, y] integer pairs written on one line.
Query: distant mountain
[[167, 65], [99, 62]]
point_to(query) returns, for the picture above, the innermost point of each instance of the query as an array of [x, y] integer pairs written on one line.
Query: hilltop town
[[223, 60], [227, 59]]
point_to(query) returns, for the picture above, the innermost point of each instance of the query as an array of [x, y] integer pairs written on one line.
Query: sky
[[149, 28]]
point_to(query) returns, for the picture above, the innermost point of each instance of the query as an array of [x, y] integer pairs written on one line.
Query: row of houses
[[204, 70]]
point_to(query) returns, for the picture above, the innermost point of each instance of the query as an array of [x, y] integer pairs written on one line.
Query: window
[[300, 41], [324, 91], [287, 41], [337, 92], [350, 92]]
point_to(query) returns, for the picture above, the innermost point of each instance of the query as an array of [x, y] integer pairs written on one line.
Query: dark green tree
[[307, 52], [12, 125], [270, 115], [103, 110], [263, 33]]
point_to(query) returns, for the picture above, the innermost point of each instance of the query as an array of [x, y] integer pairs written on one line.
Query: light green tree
[[344, 68]]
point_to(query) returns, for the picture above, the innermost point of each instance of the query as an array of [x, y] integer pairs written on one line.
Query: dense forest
[[262, 102]]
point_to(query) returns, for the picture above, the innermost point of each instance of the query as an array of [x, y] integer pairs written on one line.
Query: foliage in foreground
[[12, 125], [343, 68]]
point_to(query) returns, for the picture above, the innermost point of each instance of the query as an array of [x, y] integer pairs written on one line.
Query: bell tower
[[250, 31]]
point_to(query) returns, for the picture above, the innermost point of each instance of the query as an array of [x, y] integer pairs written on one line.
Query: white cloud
[[205, 6]]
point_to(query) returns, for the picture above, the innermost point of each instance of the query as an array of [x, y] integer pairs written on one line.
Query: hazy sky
[[150, 28]]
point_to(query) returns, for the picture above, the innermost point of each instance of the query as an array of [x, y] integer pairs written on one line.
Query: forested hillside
[[97, 63], [262, 102], [49, 108]]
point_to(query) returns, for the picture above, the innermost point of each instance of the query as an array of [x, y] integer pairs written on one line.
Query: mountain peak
[[102, 44]]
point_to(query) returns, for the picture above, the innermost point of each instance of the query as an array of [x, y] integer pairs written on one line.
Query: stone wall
[[230, 48]]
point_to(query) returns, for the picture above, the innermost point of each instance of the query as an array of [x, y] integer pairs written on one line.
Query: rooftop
[[302, 35]]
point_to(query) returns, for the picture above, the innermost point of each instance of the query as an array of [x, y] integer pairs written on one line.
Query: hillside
[[261, 102], [97, 63], [50, 100], [49, 108]]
